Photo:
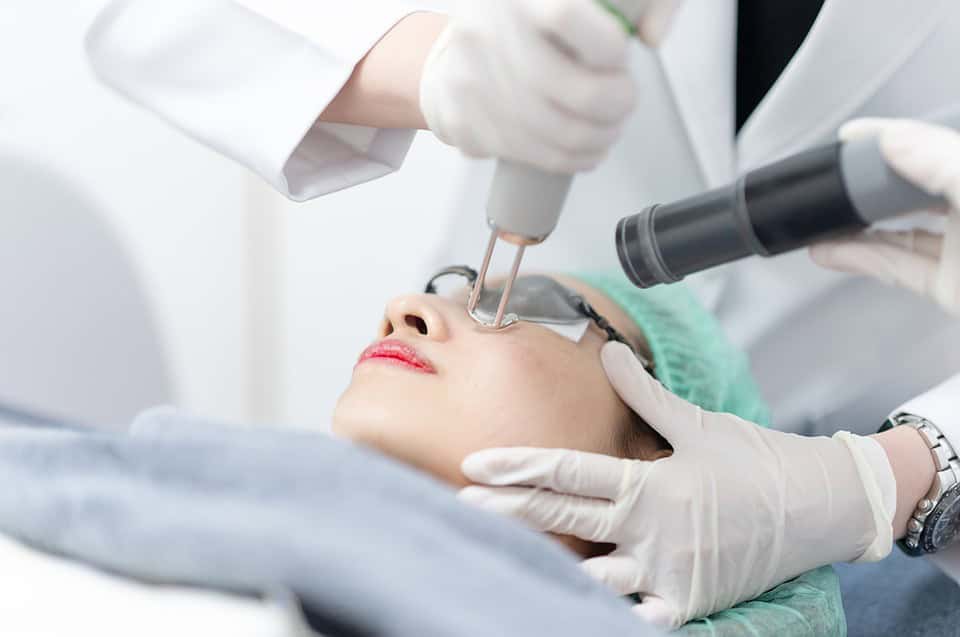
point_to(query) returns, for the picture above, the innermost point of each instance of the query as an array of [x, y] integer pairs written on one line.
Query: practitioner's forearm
[[913, 469], [384, 90]]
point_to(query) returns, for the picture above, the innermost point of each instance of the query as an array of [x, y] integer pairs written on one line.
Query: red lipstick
[[398, 353]]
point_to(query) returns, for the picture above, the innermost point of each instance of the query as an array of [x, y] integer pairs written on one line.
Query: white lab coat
[[250, 77]]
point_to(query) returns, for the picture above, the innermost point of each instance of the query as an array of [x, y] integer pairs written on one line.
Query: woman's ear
[[642, 442], [645, 442], [660, 454]]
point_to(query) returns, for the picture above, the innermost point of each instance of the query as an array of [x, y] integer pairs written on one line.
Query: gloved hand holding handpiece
[[542, 82], [926, 263]]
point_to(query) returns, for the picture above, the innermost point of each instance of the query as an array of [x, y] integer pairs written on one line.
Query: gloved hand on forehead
[[736, 509], [542, 82], [924, 262]]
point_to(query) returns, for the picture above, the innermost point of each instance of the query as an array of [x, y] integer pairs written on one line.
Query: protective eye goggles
[[537, 299]]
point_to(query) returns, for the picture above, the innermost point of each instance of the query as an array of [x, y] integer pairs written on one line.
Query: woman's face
[[435, 386]]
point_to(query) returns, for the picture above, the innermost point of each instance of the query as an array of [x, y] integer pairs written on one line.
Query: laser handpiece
[[818, 194], [523, 208], [525, 202]]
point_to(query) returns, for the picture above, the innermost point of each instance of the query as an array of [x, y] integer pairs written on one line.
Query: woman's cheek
[[520, 394], [556, 395]]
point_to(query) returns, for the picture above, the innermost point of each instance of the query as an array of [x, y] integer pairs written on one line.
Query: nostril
[[416, 322]]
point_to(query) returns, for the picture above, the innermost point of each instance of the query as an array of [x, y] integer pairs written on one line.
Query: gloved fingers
[[925, 154], [579, 473], [655, 22], [667, 413], [583, 29], [586, 518], [608, 99], [451, 126], [886, 262], [520, 143], [525, 147], [459, 93], [928, 244], [604, 97], [622, 573], [948, 277], [573, 146], [914, 241], [560, 129], [864, 128], [567, 163], [499, 83], [659, 612]]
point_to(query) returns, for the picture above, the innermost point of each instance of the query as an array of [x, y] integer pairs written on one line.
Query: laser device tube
[[818, 194]]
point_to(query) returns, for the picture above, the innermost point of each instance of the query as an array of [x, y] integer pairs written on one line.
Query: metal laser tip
[[481, 278], [508, 287], [502, 319]]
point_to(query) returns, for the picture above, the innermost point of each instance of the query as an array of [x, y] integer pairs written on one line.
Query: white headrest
[[76, 336]]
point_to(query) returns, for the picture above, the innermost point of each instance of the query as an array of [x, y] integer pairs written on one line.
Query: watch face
[[943, 523]]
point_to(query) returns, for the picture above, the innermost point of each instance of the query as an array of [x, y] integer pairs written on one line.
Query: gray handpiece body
[[875, 189], [525, 202]]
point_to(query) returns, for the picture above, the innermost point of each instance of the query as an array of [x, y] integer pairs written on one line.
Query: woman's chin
[[357, 417]]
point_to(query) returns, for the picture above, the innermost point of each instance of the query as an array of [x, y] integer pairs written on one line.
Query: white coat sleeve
[[941, 406], [249, 78]]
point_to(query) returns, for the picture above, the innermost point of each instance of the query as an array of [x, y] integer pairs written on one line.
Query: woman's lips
[[398, 353]]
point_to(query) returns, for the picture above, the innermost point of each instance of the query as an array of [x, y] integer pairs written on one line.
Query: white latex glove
[[542, 82], [736, 510], [924, 262]]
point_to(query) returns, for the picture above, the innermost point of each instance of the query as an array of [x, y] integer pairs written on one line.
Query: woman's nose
[[414, 314]]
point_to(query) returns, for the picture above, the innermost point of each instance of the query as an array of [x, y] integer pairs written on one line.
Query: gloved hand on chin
[[542, 82], [734, 511], [924, 262]]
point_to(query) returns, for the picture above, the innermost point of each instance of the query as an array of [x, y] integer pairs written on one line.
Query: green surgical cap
[[695, 360], [692, 356], [807, 606]]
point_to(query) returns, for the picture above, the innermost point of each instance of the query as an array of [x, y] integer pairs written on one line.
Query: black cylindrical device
[[818, 194]]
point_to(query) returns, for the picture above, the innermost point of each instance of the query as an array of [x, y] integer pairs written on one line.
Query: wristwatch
[[936, 520]]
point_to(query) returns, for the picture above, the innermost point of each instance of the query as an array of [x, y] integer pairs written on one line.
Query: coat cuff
[[941, 406]]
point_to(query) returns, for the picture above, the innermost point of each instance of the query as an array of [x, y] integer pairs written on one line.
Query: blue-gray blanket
[[368, 546]]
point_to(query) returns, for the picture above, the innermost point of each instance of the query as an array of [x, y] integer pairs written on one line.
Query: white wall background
[[262, 305]]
